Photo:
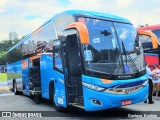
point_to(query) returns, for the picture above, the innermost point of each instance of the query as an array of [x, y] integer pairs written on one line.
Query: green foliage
[[3, 53], [14, 55], [3, 77], [15, 41], [11, 42], [3, 57], [7, 42], [11, 76]]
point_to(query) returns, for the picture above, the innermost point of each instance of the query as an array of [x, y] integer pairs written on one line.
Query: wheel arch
[[51, 89]]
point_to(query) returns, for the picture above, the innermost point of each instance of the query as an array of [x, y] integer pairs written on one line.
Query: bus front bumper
[[94, 100]]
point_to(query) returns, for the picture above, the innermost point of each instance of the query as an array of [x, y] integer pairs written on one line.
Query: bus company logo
[[132, 89], [127, 91]]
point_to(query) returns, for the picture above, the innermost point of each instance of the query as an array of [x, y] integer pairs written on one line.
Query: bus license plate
[[126, 102]]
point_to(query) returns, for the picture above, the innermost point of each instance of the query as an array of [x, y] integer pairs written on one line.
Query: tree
[[3, 57], [7, 42], [23, 36], [14, 56], [15, 41]]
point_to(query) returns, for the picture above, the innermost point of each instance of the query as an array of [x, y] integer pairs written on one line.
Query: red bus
[[153, 28], [150, 46], [150, 39]]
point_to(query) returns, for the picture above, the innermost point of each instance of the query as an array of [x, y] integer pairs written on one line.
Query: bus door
[[59, 75], [25, 76], [73, 67], [67, 62], [34, 75]]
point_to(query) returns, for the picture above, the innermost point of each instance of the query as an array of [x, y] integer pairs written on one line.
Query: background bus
[[153, 28], [150, 41], [90, 60], [151, 46]]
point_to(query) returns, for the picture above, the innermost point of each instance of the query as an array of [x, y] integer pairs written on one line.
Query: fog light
[[97, 102]]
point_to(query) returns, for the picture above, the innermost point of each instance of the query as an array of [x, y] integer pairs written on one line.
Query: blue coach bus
[[86, 59]]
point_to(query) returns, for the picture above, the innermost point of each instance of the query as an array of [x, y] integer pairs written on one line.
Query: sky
[[24, 16]]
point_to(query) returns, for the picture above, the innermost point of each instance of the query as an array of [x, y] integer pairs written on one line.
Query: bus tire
[[52, 98], [15, 87], [37, 99]]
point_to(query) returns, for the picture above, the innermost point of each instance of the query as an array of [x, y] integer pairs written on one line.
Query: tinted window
[[40, 41], [14, 56], [57, 55], [61, 22], [146, 41], [157, 33], [111, 46]]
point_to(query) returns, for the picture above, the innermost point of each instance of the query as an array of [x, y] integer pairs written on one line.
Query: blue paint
[[126, 68], [112, 100], [60, 93], [46, 68], [48, 74], [25, 79]]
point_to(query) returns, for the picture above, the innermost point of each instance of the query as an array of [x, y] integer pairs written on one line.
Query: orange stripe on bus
[[24, 64], [152, 35], [106, 81], [33, 58]]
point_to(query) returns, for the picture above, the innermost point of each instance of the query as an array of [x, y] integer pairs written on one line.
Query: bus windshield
[[114, 48]]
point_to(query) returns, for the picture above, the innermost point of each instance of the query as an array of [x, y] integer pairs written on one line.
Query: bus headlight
[[93, 87], [145, 83]]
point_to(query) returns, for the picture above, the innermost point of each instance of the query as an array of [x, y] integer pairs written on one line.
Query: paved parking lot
[[21, 103]]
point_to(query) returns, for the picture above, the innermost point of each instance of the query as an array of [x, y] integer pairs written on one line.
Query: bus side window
[[57, 60], [146, 41]]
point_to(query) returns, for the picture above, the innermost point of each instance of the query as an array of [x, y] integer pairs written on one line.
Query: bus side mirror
[[82, 29], [138, 50]]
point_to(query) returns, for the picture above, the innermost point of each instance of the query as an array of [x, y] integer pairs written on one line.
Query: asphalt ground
[[23, 104], [5, 89]]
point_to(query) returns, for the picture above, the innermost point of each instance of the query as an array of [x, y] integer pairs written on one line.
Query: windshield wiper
[[129, 59], [124, 52], [118, 53]]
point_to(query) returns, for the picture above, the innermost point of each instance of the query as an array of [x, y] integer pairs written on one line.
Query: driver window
[[146, 41], [57, 55]]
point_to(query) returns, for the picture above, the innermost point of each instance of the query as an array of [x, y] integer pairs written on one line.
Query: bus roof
[[78, 13], [97, 15], [151, 27]]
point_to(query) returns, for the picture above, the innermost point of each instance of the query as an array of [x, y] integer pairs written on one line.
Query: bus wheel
[[36, 99], [52, 98], [57, 107], [15, 88]]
